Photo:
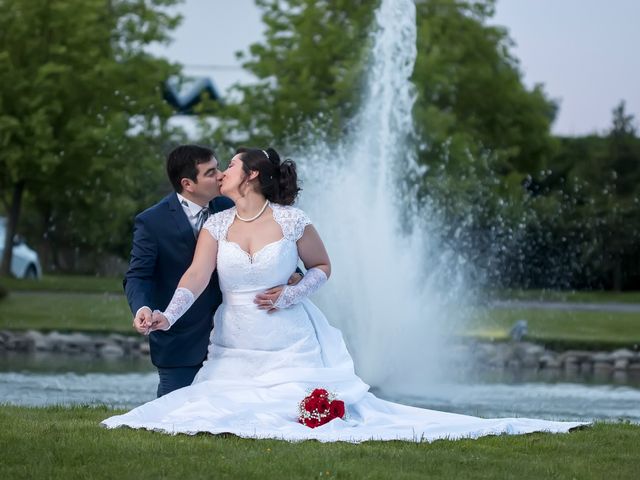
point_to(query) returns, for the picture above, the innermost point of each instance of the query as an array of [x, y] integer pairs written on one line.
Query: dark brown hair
[[182, 163], [278, 180]]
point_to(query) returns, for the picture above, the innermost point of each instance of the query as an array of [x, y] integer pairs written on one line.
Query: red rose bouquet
[[320, 407]]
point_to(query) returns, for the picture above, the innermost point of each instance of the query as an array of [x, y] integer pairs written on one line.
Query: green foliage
[[308, 69], [592, 187], [81, 114], [477, 123], [82, 123], [527, 208], [480, 128]]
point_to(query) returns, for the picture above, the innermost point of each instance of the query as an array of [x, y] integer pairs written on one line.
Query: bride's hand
[[159, 322], [266, 300]]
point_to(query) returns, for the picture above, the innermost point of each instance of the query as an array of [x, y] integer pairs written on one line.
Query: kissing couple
[[214, 280]]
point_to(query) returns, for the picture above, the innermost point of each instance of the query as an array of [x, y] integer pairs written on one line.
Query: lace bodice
[[292, 220], [272, 265]]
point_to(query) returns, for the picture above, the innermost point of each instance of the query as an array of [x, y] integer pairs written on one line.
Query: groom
[[164, 240]]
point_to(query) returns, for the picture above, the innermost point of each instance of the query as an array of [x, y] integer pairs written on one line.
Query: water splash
[[393, 281]]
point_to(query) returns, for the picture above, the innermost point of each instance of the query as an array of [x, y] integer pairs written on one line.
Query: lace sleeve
[[292, 221], [302, 220], [292, 294], [181, 301], [218, 224]]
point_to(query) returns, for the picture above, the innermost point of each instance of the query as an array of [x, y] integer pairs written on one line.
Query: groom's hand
[[142, 320], [266, 300], [294, 278]]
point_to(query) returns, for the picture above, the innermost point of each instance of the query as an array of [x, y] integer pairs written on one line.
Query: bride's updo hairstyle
[[278, 181]]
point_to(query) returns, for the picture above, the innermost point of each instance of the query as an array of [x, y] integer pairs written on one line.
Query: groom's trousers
[[174, 378]]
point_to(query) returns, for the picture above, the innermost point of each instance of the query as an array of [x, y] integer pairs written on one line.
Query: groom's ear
[[187, 184]]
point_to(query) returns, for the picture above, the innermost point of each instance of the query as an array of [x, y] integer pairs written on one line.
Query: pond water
[[72, 380]]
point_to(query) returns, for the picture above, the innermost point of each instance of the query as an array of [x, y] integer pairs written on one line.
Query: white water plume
[[392, 283]]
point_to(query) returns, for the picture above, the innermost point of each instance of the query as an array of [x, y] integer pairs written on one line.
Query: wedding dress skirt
[[260, 366]]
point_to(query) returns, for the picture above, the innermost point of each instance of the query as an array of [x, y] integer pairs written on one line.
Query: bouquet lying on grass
[[320, 407]]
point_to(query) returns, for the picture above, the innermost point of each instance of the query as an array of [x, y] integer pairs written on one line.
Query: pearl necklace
[[264, 207]]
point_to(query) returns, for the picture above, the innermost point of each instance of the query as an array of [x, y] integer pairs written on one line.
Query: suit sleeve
[[222, 203], [138, 281]]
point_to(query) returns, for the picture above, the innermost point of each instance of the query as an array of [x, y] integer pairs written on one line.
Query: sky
[[584, 52]]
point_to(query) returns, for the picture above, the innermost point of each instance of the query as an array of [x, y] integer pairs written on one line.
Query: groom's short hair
[[182, 163]]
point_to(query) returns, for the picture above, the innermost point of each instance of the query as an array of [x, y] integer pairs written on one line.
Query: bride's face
[[232, 180]]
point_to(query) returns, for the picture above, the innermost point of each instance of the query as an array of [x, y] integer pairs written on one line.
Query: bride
[[269, 350]]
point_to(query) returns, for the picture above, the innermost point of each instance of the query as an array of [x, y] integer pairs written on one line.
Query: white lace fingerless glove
[[292, 294], [182, 299]]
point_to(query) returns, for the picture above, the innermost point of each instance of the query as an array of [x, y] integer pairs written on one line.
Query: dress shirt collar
[[191, 209]]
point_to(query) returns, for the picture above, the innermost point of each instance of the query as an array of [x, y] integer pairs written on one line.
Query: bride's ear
[[252, 175]]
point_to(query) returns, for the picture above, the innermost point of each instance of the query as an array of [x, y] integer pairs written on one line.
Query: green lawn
[[66, 311], [594, 296], [96, 304], [66, 443], [94, 312], [96, 284], [572, 329], [65, 283]]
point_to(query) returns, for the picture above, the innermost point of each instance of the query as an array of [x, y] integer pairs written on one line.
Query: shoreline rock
[[516, 355], [99, 345]]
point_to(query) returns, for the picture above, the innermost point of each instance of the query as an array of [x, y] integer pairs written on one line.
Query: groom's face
[[207, 187]]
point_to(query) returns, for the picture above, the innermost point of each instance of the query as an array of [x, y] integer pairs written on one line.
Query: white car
[[25, 262]]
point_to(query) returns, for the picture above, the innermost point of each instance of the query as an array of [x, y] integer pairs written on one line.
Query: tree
[[472, 105], [585, 203], [624, 152], [79, 97], [622, 171], [475, 116], [309, 70]]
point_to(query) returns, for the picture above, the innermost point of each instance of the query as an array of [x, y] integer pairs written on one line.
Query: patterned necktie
[[202, 217]]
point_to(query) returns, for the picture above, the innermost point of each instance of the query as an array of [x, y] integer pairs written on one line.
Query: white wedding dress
[[261, 365]]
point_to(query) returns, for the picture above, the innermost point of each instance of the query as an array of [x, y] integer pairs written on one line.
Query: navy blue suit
[[163, 247]]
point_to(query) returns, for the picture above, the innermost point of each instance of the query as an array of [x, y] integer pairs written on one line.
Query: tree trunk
[[45, 242], [10, 231], [617, 275]]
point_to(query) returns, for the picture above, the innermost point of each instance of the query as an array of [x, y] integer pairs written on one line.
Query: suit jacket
[[163, 247]]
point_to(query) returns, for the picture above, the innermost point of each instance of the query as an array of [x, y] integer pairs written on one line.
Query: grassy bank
[[88, 312], [64, 283], [562, 328], [593, 296], [95, 304], [92, 312], [68, 443], [95, 284]]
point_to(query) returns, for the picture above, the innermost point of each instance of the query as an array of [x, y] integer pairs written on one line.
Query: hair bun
[[273, 157], [278, 180]]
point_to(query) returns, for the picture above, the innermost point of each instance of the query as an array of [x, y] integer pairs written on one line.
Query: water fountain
[[393, 283]]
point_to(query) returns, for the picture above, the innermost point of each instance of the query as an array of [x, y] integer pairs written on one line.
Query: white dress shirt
[[191, 210]]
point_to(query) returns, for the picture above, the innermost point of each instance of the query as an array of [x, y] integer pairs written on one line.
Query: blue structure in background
[[186, 95]]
